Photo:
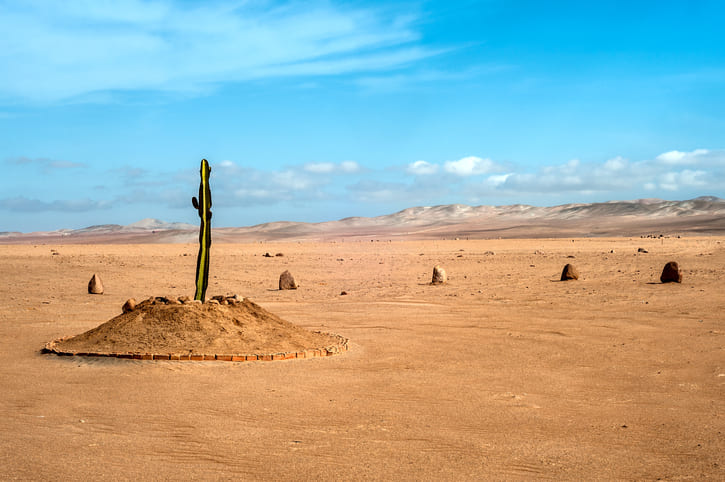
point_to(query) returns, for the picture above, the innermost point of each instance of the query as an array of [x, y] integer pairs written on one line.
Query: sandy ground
[[503, 373]]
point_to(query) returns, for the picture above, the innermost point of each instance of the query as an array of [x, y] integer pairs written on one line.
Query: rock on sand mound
[[195, 328]]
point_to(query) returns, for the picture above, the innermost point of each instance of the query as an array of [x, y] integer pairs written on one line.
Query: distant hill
[[703, 215]]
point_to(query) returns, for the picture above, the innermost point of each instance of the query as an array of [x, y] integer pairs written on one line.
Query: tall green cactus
[[203, 205]]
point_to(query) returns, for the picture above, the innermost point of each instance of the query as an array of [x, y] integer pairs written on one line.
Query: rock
[[671, 273], [439, 276], [642, 250], [267, 255], [183, 299], [213, 302], [95, 287], [489, 253], [279, 255], [287, 281], [129, 305], [569, 272], [343, 293]]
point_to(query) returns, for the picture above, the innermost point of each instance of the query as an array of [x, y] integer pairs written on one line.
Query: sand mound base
[[239, 331]]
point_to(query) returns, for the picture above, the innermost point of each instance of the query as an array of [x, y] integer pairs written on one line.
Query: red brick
[[251, 357], [196, 357], [224, 357], [290, 355], [264, 357], [161, 357], [125, 355], [278, 356], [300, 354], [147, 356], [209, 357], [185, 357]]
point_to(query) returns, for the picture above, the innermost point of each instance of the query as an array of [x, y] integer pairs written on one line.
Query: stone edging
[[340, 347]]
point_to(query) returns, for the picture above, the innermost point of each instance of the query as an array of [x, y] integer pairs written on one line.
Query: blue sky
[[314, 111]]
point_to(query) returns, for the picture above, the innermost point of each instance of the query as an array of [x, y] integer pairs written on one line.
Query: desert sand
[[504, 372]]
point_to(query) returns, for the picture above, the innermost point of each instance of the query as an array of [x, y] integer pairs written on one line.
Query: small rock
[[95, 287], [212, 302], [671, 273], [642, 250], [439, 275], [183, 299], [267, 255], [489, 253], [343, 293], [129, 305], [569, 272], [287, 281], [279, 255], [193, 302]]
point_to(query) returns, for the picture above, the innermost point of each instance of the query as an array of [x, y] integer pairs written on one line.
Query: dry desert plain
[[502, 373]]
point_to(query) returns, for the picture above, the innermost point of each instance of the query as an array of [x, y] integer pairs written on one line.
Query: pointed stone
[[671, 273], [129, 305], [95, 287], [569, 272], [287, 281], [439, 276]]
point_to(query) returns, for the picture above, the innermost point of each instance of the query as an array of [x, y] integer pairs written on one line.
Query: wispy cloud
[[45, 164], [24, 204], [59, 50]]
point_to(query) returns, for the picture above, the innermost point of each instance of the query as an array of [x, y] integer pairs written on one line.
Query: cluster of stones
[[131, 303], [341, 346]]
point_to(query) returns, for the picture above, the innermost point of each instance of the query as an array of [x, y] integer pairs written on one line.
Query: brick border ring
[[340, 347]]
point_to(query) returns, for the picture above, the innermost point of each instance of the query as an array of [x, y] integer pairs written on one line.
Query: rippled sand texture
[[502, 373]]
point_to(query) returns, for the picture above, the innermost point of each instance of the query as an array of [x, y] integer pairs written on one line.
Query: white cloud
[[320, 167], [349, 166], [346, 167], [497, 179], [421, 168], [678, 157], [60, 50], [470, 166]]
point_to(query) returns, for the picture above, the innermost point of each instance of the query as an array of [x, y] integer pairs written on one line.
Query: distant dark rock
[[439, 276], [671, 273], [642, 250], [267, 255], [279, 255], [287, 281], [95, 287], [569, 273]]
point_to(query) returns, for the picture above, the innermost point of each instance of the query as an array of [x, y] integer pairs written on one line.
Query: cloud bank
[[352, 189]]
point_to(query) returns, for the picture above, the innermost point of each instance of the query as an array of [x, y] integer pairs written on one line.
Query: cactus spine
[[203, 205]]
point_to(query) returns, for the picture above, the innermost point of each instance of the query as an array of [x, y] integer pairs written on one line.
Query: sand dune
[[703, 215]]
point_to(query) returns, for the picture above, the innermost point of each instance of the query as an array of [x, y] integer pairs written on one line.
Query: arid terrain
[[504, 372]]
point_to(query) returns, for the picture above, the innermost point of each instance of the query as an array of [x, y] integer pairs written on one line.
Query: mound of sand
[[159, 327]]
